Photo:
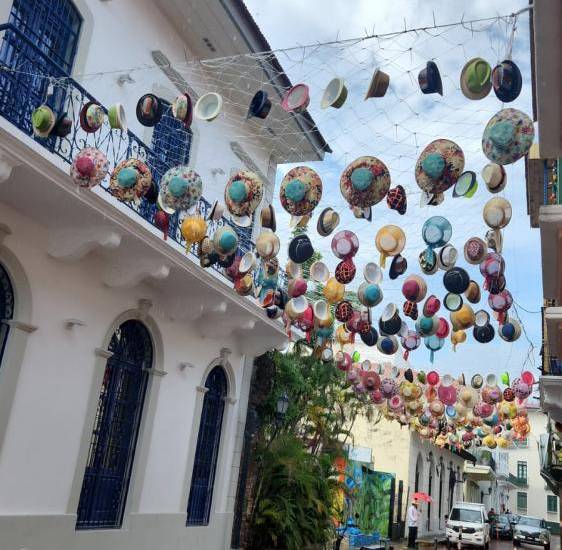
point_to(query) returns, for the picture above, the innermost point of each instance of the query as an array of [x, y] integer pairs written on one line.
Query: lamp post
[[282, 407]]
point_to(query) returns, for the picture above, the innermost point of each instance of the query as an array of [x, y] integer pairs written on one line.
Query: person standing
[[413, 518]]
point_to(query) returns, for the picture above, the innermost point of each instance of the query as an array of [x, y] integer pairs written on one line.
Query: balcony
[[21, 91], [483, 469]]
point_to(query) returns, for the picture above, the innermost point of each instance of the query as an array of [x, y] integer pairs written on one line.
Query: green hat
[[43, 121], [476, 80]]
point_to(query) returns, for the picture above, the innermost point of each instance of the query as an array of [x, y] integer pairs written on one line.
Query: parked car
[[513, 518], [531, 530], [501, 527], [467, 522]]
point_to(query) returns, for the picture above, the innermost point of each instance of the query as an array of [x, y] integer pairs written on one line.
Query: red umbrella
[[422, 496]]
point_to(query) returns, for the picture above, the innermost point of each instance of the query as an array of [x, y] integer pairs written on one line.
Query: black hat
[[484, 334], [260, 105], [369, 337], [300, 249], [409, 375], [149, 110], [456, 280], [63, 126], [151, 195], [507, 81], [226, 261], [398, 266], [497, 285], [430, 80]]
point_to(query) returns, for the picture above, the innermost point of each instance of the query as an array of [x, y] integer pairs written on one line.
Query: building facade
[[124, 365]]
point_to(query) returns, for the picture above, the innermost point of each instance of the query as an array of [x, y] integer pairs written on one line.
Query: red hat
[[396, 199]]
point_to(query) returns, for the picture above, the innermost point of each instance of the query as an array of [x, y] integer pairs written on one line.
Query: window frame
[[522, 495], [522, 470], [551, 499]]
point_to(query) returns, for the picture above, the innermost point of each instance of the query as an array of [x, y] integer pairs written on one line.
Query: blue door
[[6, 308], [42, 42], [207, 450], [116, 427]]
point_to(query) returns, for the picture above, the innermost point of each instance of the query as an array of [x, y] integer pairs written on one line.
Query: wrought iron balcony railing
[[28, 78]]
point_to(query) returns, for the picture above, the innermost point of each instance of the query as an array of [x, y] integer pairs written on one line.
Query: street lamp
[[282, 406]]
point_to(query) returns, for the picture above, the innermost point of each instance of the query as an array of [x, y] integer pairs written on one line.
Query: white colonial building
[[124, 365]]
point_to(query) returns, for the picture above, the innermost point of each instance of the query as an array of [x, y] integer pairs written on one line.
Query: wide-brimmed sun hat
[[260, 105], [335, 94], [378, 84], [439, 166], [296, 99], [92, 116], [149, 110], [429, 79], [182, 109], [130, 180], [494, 177], [89, 167], [301, 191], [436, 232], [372, 273], [117, 117], [508, 136], [327, 221], [476, 78], [181, 188], [242, 195], [225, 240], [474, 250], [390, 241], [507, 81], [43, 120], [365, 182]]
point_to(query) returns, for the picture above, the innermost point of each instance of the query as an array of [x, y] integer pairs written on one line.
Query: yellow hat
[[457, 337], [193, 230], [462, 318], [390, 241], [333, 291]]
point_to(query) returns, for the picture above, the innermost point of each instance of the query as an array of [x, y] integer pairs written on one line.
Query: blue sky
[[398, 126]]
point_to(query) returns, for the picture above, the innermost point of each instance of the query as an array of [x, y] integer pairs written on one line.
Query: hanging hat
[[301, 191], [507, 81], [319, 271], [225, 240], [436, 232], [335, 94], [89, 167], [267, 216], [431, 306], [365, 182], [372, 273], [466, 185], [442, 332], [180, 189], [390, 322], [208, 106], [216, 212], [508, 136], [345, 244], [378, 85], [333, 291], [463, 318], [447, 394], [130, 180], [497, 213], [410, 309], [149, 110], [494, 240], [300, 249], [369, 337], [472, 293], [43, 120], [296, 99], [429, 79], [396, 199], [297, 287], [500, 303], [457, 337], [260, 105], [439, 166], [343, 311], [474, 250], [426, 326], [363, 213], [182, 109], [429, 267], [117, 118], [414, 288], [390, 241], [398, 266], [193, 229], [92, 116], [447, 257], [481, 318], [484, 334], [475, 78], [345, 271], [388, 345], [494, 177], [242, 195], [510, 330], [410, 342], [267, 245], [63, 126], [327, 221]]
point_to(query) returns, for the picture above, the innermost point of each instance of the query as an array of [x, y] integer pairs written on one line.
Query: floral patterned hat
[[365, 182], [130, 180], [180, 189], [89, 167], [301, 191], [243, 194], [508, 136]]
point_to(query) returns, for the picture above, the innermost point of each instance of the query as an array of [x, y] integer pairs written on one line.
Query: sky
[[397, 127]]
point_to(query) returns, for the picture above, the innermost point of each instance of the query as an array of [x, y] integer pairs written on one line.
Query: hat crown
[[41, 118], [127, 177], [361, 178], [433, 165], [478, 75], [227, 241], [296, 190], [85, 166], [177, 186], [502, 134], [237, 191]]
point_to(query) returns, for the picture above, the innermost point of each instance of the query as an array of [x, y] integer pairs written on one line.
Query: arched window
[[116, 426], [207, 450], [6, 308]]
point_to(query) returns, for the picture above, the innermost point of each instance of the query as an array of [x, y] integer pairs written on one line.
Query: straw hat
[[181, 188], [335, 94], [378, 85], [475, 78], [327, 221], [267, 217], [472, 293], [494, 177], [43, 120], [466, 185], [345, 271], [508, 136], [365, 182], [510, 330], [396, 199], [300, 249], [319, 272], [267, 245], [414, 288], [369, 294], [462, 318], [225, 240], [193, 230], [428, 266], [372, 273], [388, 345], [89, 167], [130, 180], [458, 337], [216, 212], [456, 280], [497, 213], [333, 291], [494, 240], [390, 241], [243, 194], [343, 311], [447, 257], [474, 250], [301, 191]]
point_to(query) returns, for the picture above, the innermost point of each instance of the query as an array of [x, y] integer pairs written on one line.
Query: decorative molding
[[202, 389], [19, 325], [5, 231], [144, 305], [103, 353], [72, 244], [154, 372], [69, 324], [225, 354], [127, 273]]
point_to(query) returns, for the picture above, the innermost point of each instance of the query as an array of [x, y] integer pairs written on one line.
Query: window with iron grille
[[53, 29], [116, 426], [522, 470], [207, 449], [521, 501], [6, 308], [551, 504]]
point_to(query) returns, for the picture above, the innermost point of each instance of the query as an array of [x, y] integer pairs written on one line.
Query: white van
[[468, 522]]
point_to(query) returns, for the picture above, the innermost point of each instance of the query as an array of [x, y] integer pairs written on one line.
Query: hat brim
[[467, 92], [395, 273], [149, 121], [324, 231], [378, 85], [84, 121]]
